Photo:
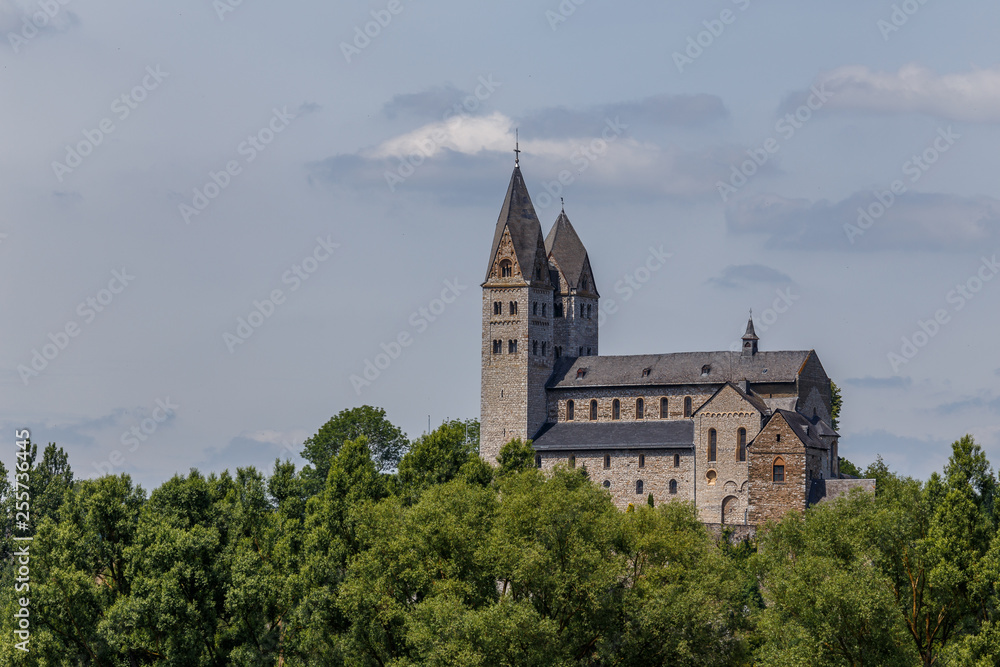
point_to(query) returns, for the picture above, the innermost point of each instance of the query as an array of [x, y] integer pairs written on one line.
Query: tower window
[[558, 351], [741, 445], [663, 408], [570, 408], [677, 460], [593, 410], [511, 347], [640, 408], [498, 347], [588, 312], [534, 308], [558, 310], [506, 268], [607, 460], [545, 349], [543, 310], [642, 460], [777, 438], [778, 471], [513, 307], [673, 487], [588, 351], [713, 441], [497, 308], [616, 409], [687, 406], [638, 487], [582, 309], [534, 347], [538, 273]]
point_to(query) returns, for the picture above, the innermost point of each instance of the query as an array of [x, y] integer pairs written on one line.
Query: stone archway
[[730, 510]]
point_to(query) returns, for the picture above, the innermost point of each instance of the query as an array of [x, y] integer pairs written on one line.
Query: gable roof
[[802, 427], [677, 368], [668, 433], [564, 247], [518, 216], [755, 401]]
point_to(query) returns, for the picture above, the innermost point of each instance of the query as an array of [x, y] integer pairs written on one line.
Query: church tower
[[517, 348], [576, 297]]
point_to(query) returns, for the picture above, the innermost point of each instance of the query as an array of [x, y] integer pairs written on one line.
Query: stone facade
[[716, 444]]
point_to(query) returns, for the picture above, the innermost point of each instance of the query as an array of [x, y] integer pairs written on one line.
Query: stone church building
[[745, 435]]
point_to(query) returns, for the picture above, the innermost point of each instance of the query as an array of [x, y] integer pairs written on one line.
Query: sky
[[217, 215]]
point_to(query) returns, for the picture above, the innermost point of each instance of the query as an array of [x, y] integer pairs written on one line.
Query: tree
[[516, 456], [836, 402], [387, 442], [848, 468], [434, 458]]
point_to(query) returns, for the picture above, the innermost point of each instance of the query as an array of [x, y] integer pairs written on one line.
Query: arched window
[[663, 408], [581, 352], [741, 445], [593, 410], [558, 351], [497, 308], [640, 408], [511, 347], [713, 442], [543, 310], [687, 406], [498, 347], [777, 438], [582, 309], [513, 307], [572, 461], [534, 347], [712, 476], [588, 312], [673, 487], [616, 409], [538, 460], [677, 460], [607, 484], [642, 460], [557, 310], [545, 349], [607, 460], [778, 471], [638, 487], [506, 268], [570, 407], [534, 308]]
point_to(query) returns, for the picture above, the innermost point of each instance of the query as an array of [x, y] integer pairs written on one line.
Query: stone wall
[[769, 500], [627, 395], [623, 472]]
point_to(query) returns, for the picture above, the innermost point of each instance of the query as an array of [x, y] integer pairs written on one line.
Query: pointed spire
[[564, 247], [750, 339], [518, 217]]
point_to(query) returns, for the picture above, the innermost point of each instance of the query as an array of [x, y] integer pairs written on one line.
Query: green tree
[[516, 456], [386, 441], [435, 458], [848, 468], [836, 403]]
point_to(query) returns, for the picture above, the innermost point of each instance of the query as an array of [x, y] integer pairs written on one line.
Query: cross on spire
[[517, 149]]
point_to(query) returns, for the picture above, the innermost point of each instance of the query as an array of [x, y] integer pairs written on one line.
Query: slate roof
[[677, 368], [651, 434], [563, 245], [803, 428], [518, 215]]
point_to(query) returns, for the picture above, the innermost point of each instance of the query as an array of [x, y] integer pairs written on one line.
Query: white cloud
[[970, 96], [287, 439]]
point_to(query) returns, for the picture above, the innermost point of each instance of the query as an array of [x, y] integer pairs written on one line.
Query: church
[[745, 435]]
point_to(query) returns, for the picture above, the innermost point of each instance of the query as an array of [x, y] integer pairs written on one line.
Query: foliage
[[453, 561], [386, 441], [836, 403]]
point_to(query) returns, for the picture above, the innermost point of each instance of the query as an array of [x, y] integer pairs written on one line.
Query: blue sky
[[188, 166]]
